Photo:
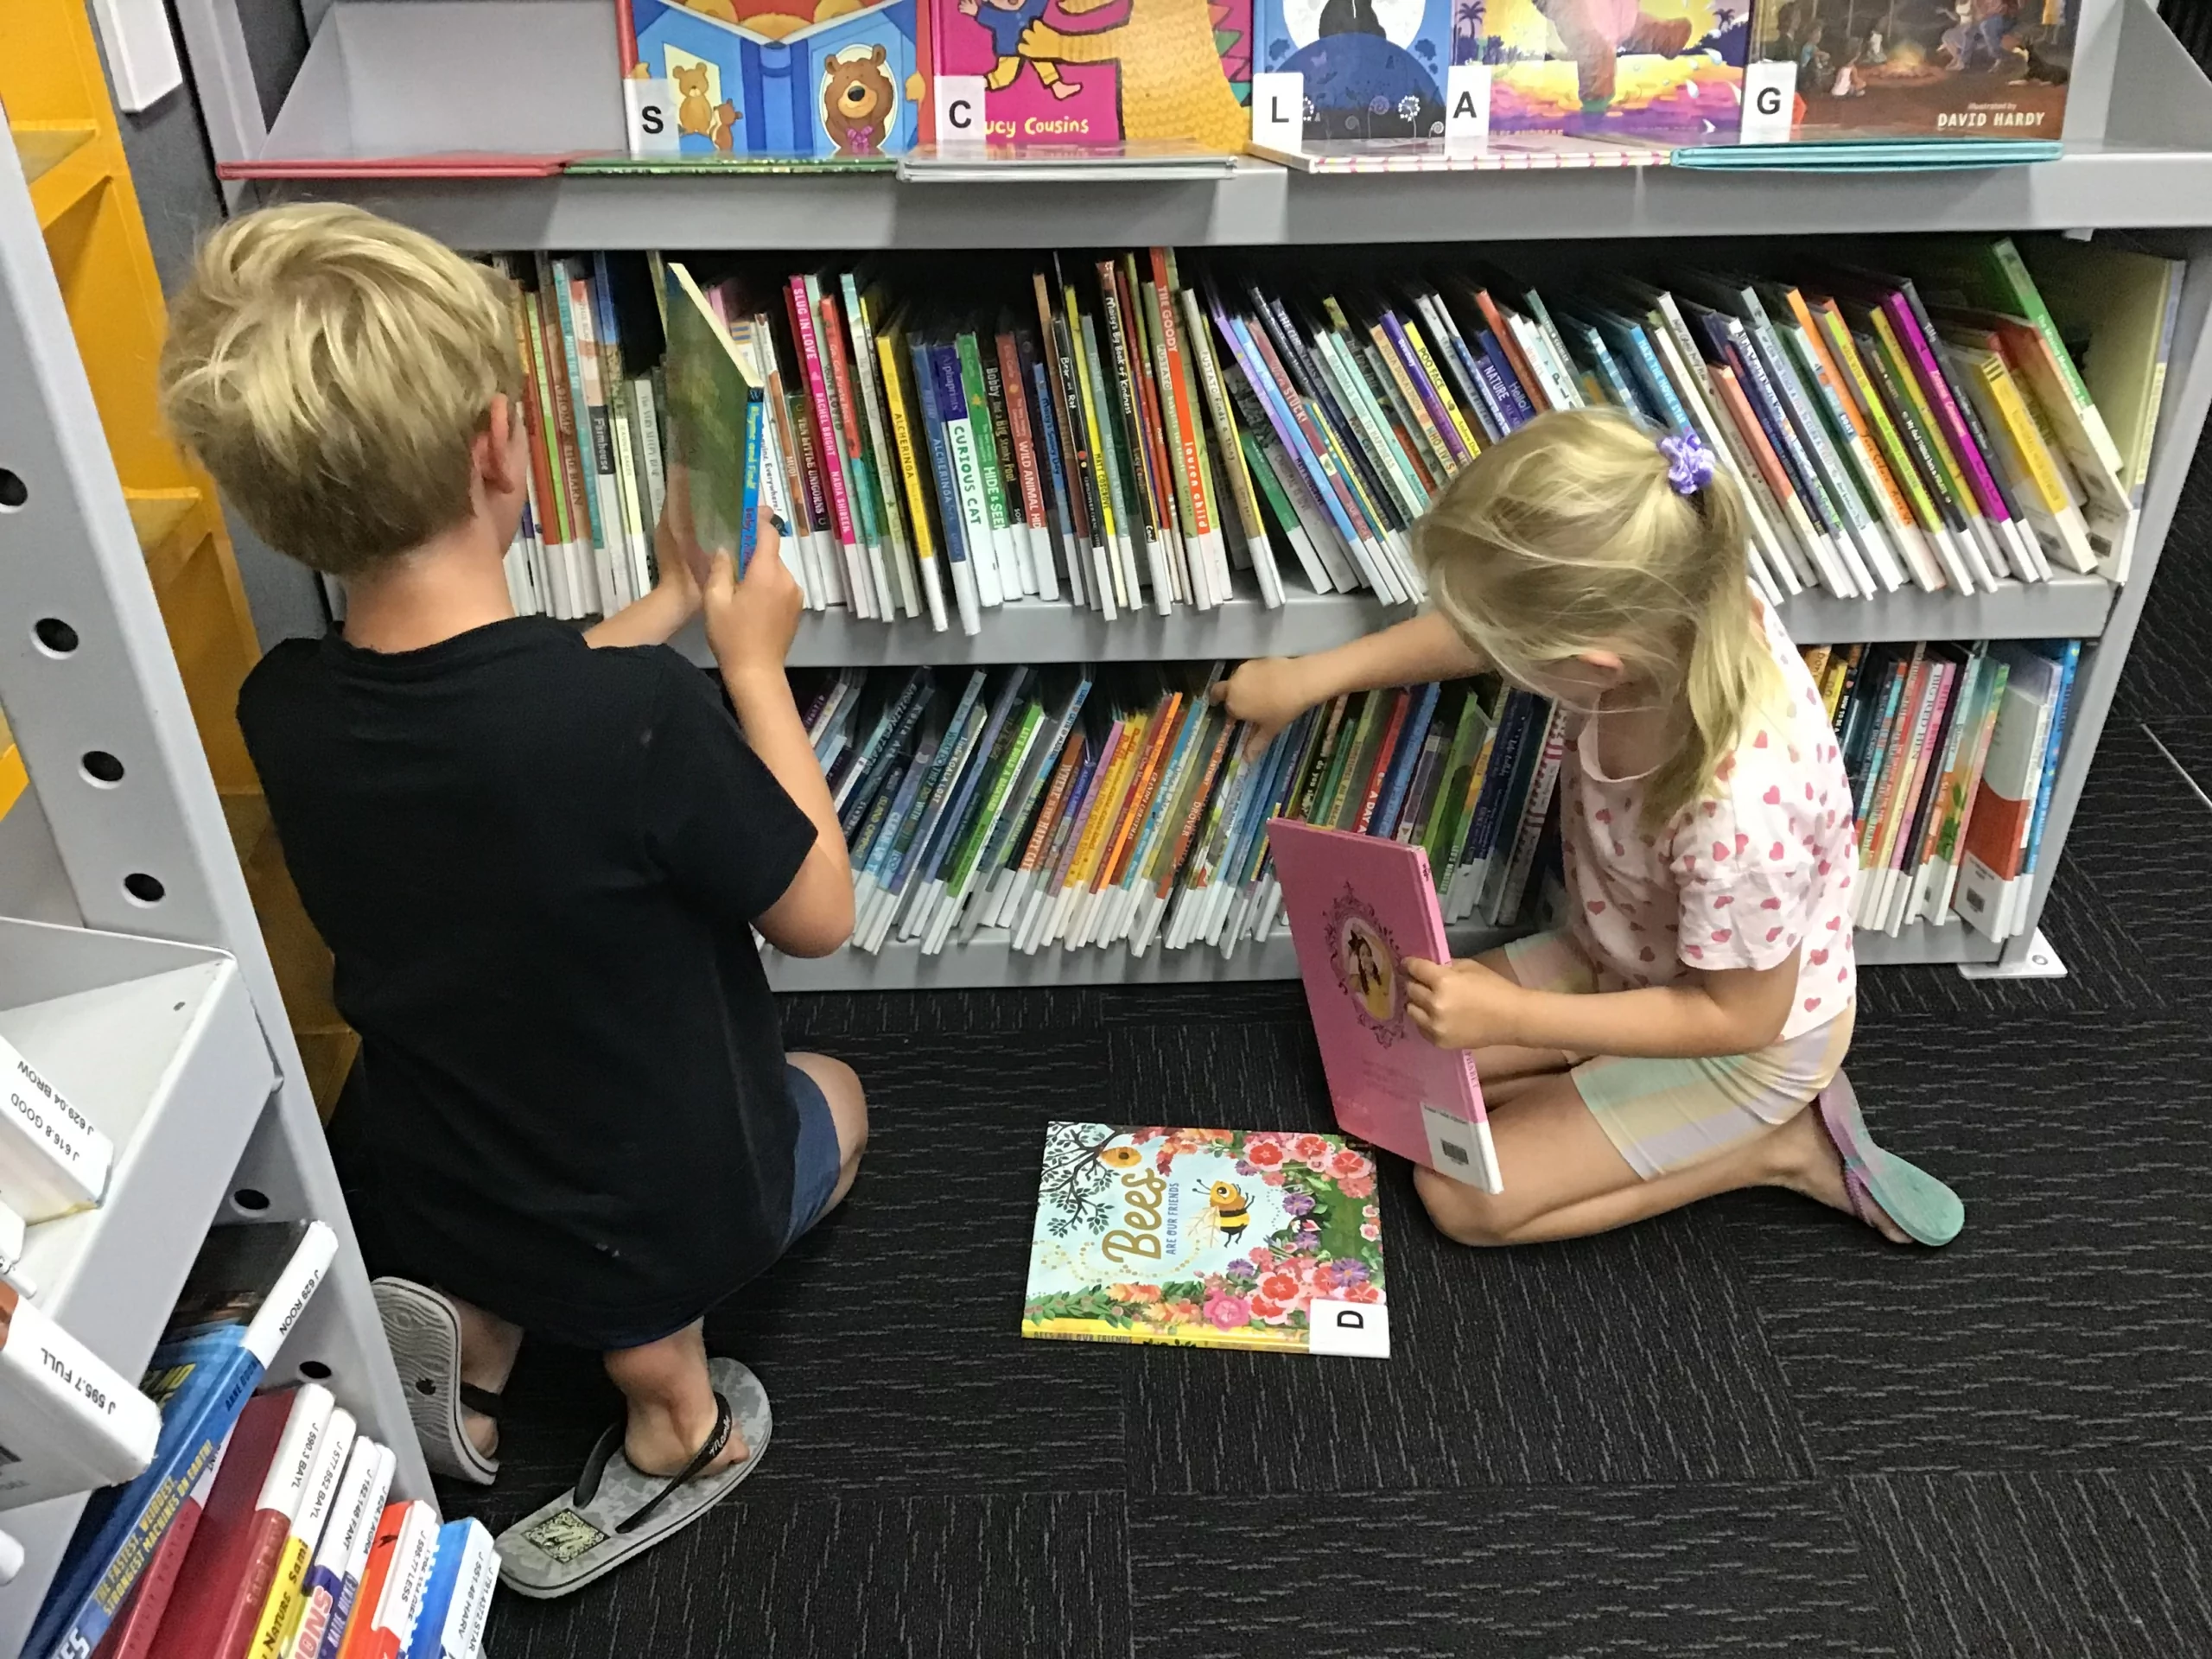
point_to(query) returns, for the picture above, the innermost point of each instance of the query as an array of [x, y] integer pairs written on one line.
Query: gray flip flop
[[615, 1513], [424, 1332]]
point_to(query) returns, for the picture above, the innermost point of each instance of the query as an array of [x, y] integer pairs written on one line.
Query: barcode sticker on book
[[1460, 1149]]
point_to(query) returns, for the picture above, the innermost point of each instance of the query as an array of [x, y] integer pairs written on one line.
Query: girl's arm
[[1272, 692], [1728, 1011]]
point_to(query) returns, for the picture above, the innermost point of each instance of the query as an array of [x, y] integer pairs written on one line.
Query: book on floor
[[1267, 1240], [1359, 907]]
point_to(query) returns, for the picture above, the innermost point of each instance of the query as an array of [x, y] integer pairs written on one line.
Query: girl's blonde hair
[[1567, 537]]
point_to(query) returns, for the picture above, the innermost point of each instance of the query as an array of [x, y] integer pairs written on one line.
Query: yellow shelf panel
[[169, 527], [13, 779], [43, 147], [69, 181]]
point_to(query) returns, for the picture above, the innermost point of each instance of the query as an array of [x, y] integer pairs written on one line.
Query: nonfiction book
[[1208, 1238]]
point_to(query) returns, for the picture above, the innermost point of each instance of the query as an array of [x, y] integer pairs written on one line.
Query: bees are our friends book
[[1360, 906], [1268, 1240]]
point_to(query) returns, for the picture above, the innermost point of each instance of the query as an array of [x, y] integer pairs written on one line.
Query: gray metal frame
[[68, 554], [386, 76]]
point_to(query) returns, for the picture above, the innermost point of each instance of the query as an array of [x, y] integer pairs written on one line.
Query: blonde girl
[[1665, 1045]]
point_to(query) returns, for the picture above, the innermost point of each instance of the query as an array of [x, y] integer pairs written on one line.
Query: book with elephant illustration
[[1094, 73], [1672, 69], [803, 79], [1270, 1240]]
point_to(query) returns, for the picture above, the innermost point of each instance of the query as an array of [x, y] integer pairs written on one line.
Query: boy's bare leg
[[488, 1347], [670, 1403], [840, 1087]]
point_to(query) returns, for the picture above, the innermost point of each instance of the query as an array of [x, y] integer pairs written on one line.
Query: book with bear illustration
[[1270, 1240], [733, 79], [1920, 68], [1096, 73], [1669, 69]]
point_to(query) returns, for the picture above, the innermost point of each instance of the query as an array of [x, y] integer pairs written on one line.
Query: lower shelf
[[988, 962]]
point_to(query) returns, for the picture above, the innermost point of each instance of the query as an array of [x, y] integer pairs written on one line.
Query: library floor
[[1746, 1428]]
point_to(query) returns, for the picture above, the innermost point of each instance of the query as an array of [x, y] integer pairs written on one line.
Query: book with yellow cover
[[1268, 1240]]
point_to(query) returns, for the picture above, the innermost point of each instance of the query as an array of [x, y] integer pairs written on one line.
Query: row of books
[[259, 1525], [853, 84], [1083, 807], [1953, 755], [1130, 431]]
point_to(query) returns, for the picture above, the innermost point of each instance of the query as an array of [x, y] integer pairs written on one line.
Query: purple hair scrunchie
[[1689, 463]]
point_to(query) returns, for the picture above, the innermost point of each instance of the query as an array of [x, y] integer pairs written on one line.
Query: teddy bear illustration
[[859, 100], [694, 115], [1594, 31]]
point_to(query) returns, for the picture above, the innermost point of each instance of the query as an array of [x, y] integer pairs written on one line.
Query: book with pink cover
[[1358, 907]]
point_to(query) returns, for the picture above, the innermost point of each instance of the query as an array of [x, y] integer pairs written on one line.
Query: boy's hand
[[752, 621], [1266, 693], [1460, 1004]]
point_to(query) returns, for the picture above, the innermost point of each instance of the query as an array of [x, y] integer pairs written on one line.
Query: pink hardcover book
[[1359, 906]]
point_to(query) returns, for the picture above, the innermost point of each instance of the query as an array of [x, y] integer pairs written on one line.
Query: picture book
[[1921, 68], [715, 412], [1666, 69], [1358, 907], [1373, 69], [1094, 72], [1208, 1238], [802, 79]]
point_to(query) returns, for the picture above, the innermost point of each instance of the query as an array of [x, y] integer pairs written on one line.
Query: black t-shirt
[[537, 864]]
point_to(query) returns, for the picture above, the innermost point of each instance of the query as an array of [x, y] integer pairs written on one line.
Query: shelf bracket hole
[[251, 1199], [13, 490], [55, 638], [101, 767], [146, 889]]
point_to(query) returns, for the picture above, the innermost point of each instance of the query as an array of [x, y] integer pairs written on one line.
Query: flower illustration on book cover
[[1202, 1237], [1365, 958]]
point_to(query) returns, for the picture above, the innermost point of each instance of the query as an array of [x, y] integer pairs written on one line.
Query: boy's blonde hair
[[332, 371], [1567, 537]]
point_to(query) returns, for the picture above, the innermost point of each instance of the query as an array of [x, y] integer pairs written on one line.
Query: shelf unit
[[388, 77], [146, 988]]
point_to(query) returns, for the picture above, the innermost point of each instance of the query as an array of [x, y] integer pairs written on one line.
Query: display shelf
[[989, 960], [156, 1043], [1033, 631]]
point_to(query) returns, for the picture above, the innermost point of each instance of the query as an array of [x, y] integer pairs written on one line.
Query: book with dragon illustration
[[1100, 72], [1669, 69], [1921, 68], [1268, 1240], [1374, 70], [796, 78]]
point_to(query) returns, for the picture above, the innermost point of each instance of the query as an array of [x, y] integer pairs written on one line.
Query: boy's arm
[[749, 626], [654, 620], [1272, 692], [1727, 1011]]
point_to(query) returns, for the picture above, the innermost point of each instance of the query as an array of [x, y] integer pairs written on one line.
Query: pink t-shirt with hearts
[[1763, 864]]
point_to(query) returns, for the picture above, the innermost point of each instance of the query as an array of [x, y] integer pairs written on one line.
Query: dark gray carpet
[[1747, 1428]]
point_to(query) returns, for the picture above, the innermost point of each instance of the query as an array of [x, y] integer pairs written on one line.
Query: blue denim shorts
[[814, 1166]]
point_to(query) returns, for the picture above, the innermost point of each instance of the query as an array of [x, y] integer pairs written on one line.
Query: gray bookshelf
[[132, 968], [408, 77]]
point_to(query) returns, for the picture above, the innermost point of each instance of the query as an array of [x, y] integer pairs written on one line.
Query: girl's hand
[[751, 622], [1461, 1004], [1266, 694]]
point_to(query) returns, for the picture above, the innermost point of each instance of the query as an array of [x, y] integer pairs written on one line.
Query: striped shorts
[[1667, 1115]]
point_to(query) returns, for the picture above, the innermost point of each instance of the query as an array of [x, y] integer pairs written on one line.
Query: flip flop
[[424, 1332], [1929, 1211], [615, 1512]]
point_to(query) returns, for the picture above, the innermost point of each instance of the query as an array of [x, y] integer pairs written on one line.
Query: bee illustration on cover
[[1626, 69]]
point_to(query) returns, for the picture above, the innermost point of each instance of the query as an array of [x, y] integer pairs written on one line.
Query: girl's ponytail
[[1570, 537]]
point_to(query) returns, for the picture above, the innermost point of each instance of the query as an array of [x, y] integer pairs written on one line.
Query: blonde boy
[[539, 856]]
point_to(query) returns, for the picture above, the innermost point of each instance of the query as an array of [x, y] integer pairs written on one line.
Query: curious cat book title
[[1669, 69], [796, 78], [1208, 1238], [1093, 73]]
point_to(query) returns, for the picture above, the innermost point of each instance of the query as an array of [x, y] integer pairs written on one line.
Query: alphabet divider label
[[1466, 109], [1279, 110], [959, 104], [1358, 1329], [650, 107], [1769, 102]]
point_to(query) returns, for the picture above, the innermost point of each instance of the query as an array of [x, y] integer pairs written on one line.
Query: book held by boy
[[1359, 906], [1267, 1240]]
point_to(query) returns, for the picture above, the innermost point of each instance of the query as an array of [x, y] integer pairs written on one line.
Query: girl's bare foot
[[1810, 1163]]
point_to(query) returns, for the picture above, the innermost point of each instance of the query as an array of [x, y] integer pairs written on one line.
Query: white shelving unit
[[144, 988], [398, 77]]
